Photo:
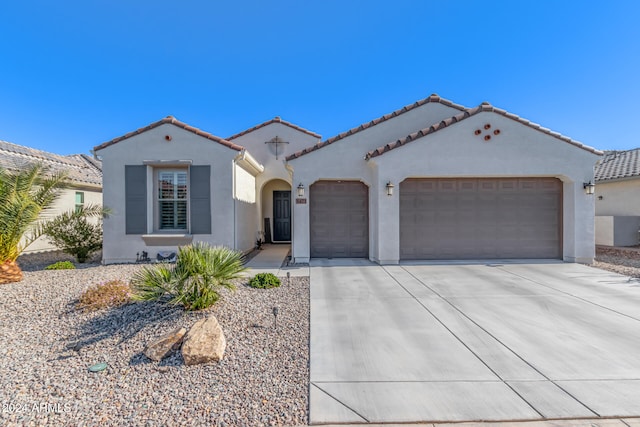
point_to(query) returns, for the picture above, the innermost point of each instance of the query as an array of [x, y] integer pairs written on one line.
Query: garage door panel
[[480, 218], [339, 214]]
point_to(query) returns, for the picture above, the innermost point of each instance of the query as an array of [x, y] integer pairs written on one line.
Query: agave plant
[[24, 195], [195, 280]]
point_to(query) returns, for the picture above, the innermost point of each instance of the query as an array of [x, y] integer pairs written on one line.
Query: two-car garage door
[[480, 218]]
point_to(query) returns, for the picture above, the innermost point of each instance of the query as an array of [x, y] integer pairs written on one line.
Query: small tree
[[24, 195], [76, 232]]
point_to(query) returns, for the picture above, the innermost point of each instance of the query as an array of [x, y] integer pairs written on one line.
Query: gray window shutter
[[200, 191], [135, 183]]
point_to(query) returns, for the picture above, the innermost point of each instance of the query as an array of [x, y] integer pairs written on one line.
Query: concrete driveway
[[467, 342]]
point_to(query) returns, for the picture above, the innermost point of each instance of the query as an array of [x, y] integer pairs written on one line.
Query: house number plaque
[[301, 201]]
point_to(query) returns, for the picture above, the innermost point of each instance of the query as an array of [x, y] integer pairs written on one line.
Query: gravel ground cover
[[47, 345], [619, 260]]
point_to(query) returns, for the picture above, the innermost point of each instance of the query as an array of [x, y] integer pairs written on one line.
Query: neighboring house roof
[[173, 121], [618, 164], [80, 168], [432, 98], [274, 120], [484, 107]]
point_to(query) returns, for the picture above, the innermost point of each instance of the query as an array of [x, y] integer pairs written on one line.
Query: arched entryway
[[276, 211]]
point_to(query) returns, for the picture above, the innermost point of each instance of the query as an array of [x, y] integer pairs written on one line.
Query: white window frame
[[80, 205], [156, 200]]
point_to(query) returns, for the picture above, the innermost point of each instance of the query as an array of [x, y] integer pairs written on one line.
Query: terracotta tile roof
[[484, 107], [618, 164], [171, 120], [431, 98], [81, 169], [276, 119]]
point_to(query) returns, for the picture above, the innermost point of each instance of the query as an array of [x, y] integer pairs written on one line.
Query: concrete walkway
[[593, 422], [468, 342], [271, 259]]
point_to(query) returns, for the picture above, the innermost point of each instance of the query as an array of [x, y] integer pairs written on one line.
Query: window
[[79, 200], [172, 199]]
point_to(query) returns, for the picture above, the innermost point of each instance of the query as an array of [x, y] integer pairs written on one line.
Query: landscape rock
[[163, 346], [205, 342]]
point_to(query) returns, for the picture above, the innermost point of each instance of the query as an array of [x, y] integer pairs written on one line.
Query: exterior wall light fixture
[[390, 188], [589, 187], [300, 190]]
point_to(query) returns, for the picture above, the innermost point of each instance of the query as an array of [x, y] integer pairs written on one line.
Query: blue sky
[[74, 74]]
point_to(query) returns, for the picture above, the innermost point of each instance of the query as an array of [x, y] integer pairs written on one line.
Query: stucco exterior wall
[[617, 230], [245, 209], [274, 168], [152, 146], [454, 151], [344, 160], [618, 198], [66, 202]]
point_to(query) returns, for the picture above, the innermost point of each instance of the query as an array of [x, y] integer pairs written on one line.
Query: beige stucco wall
[[617, 230], [452, 152], [618, 198], [344, 160], [152, 146], [617, 204], [274, 168], [66, 202], [245, 209]]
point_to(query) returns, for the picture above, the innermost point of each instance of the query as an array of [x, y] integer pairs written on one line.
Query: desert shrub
[[108, 294], [61, 265], [194, 280], [75, 233], [264, 281]]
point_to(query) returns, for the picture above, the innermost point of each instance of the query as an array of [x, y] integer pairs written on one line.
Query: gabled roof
[[484, 107], [618, 165], [276, 119], [80, 168], [431, 98], [173, 121]]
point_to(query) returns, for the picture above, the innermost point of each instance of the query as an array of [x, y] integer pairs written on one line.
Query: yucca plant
[[24, 195], [194, 281]]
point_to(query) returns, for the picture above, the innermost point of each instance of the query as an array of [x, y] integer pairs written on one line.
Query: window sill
[[167, 239]]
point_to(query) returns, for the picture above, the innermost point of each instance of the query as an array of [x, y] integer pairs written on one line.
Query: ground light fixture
[[275, 312], [390, 188], [589, 187], [300, 190]]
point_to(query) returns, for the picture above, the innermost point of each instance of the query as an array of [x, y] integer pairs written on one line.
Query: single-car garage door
[[339, 225], [480, 218]]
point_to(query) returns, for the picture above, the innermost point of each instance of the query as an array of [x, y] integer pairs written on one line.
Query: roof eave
[[276, 119], [484, 107], [432, 98], [173, 121]]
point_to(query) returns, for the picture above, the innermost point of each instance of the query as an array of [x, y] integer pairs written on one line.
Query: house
[[84, 185], [433, 180], [617, 191]]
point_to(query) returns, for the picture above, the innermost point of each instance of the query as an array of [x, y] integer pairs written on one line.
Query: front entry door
[[282, 216]]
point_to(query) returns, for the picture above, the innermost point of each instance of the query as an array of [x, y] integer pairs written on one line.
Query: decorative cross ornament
[[275, 141]]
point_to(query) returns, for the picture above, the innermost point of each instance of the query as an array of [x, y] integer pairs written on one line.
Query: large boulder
[[160, 348], [205, 342]]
